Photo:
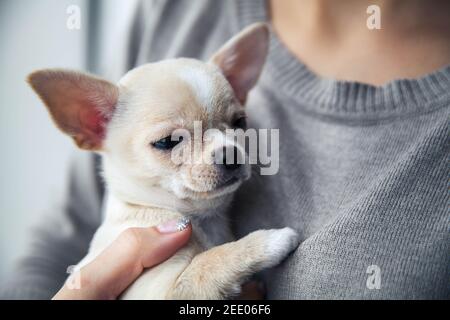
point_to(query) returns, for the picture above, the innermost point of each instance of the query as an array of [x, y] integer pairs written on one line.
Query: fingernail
[[174, 225]]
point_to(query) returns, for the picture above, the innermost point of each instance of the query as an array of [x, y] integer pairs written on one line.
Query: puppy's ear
[[241, 59], [81, 105]]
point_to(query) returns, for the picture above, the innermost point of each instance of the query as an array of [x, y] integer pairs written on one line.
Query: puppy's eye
[[166, 143], [240, 123]]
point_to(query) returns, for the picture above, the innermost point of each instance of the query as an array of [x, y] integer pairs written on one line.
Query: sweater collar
[[296, 82]]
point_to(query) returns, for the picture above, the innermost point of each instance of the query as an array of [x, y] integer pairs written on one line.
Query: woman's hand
[[123, 261]]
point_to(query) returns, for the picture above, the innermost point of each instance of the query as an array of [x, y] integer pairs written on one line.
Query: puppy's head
[[137, 124]]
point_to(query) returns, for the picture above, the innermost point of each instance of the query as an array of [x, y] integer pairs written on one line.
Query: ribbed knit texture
[[364, 170]]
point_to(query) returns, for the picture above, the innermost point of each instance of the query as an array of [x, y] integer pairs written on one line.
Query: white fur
[[145, 188], [201, 83], [280, 243]]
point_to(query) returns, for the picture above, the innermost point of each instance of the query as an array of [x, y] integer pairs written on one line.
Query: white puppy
[[131, 124]]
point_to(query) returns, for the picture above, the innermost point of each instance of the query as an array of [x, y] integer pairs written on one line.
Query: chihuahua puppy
[[130, 125]]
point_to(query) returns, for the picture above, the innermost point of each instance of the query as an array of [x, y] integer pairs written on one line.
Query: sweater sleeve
[[61, 238]]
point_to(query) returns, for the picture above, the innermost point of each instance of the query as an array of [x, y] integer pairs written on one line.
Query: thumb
[[108, 275]]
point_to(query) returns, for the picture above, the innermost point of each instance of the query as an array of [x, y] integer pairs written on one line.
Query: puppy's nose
[[234, 163]]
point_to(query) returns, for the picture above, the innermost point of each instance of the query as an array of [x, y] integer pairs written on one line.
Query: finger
[[135, 250], [124, 260]]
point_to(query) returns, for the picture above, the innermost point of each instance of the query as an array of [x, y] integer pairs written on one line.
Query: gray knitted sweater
[[363, 177]]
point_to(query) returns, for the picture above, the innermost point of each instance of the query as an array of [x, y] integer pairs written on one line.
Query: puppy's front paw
[[279, 243]]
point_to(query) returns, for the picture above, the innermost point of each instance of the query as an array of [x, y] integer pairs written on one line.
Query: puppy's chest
[[155, 282], [131, 217]]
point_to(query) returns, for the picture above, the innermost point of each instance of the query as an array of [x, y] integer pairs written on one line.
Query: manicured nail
[[174, 225]]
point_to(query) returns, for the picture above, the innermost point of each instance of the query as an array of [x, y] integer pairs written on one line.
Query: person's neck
[[332, 38]]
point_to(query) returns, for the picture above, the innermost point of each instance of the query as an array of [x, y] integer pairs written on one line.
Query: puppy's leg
[[219, 272]]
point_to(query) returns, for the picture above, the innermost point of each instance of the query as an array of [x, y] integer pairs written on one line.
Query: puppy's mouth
[[228, 182], [228, 186]]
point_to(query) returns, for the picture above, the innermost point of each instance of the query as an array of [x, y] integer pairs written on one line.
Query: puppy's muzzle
[[230, 162]]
